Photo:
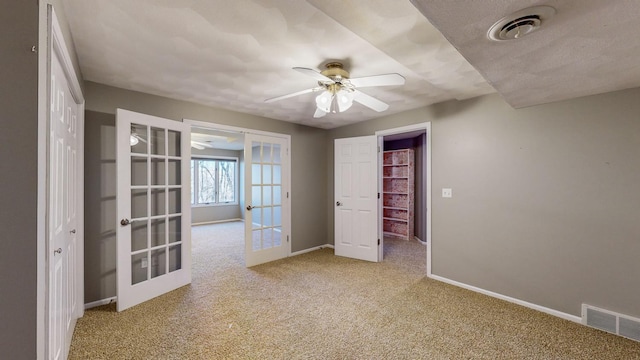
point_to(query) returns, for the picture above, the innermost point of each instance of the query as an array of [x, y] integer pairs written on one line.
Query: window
[[213, 181]]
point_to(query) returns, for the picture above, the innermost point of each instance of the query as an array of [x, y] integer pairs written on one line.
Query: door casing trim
[[242, 130], [426, 126]]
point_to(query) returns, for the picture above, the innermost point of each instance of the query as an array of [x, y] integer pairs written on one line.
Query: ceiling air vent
[[520, 23]]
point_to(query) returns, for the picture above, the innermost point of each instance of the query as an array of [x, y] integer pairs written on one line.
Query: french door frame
[[287, 211]]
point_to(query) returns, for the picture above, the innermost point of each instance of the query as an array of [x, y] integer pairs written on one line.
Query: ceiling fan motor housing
[[335, 71]]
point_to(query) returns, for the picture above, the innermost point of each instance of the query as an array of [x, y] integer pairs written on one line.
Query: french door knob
[[57, 251], [73, 231], [249, 207], [125, 222], [338, 203]]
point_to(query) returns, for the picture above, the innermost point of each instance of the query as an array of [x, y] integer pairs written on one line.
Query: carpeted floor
[[320, 306]]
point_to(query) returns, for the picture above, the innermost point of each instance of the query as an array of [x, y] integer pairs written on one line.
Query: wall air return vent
[[610, 321], [629, 328]]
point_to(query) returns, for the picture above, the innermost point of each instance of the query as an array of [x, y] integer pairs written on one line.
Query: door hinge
[[287, 238], [378, 148], [287, 151], [287, 194], [378, 242], [378, 195]]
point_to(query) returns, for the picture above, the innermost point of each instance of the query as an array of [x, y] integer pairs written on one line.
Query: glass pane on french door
[[266, 195], [156, 203]]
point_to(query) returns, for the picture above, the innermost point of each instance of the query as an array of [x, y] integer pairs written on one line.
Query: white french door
[[356, 198], [153, 203], [266, 199]]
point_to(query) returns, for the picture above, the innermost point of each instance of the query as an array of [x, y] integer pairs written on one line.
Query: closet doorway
[[405, 185]]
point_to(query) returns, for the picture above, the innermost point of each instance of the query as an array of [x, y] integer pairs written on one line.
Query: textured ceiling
[[235, 54], [225, 140], [588, 47]]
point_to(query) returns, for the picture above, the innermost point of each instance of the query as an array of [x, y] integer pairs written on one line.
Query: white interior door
[[266, 199], [64, 212], [356, 196], [64, 260], [153, 201]]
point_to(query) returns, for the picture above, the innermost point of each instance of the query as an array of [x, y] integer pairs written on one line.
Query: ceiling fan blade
[[139, 137], [378, 80], [314, 74], [294, 94], [319, 113], [205, 138], [201, 144], [369, 101]]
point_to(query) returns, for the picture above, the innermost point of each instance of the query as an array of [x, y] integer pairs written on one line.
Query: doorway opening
[[217, 216], [256, 191], [405, 187]]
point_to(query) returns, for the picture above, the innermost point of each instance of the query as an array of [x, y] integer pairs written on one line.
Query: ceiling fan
[[339, 91], [202, 141]]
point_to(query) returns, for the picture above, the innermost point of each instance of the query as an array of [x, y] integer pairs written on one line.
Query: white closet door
[[65, 216]]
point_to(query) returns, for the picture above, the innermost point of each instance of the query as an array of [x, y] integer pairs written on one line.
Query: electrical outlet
[[145, 263], [447, 193]]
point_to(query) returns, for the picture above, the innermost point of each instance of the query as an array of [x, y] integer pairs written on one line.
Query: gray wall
[[545, 199], [100, 206], [19, 169], [19, 246], [201, 214], [309, 224]]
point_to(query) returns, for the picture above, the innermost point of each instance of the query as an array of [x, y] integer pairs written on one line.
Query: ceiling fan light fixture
[[345, 100], [334, 104], [324, 100]]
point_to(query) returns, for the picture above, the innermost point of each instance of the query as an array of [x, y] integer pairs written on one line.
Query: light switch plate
[[446, 193]]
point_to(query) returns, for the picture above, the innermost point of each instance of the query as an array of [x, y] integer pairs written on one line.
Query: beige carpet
[[320, 306]]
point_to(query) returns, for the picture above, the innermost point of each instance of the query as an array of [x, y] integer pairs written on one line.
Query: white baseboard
[[100, 302], [543, 309], [421, 242], [216, 222], [311, 249]]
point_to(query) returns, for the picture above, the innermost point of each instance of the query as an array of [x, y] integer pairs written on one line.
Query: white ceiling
[[235, 54], [217, 139], [588, 47]]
